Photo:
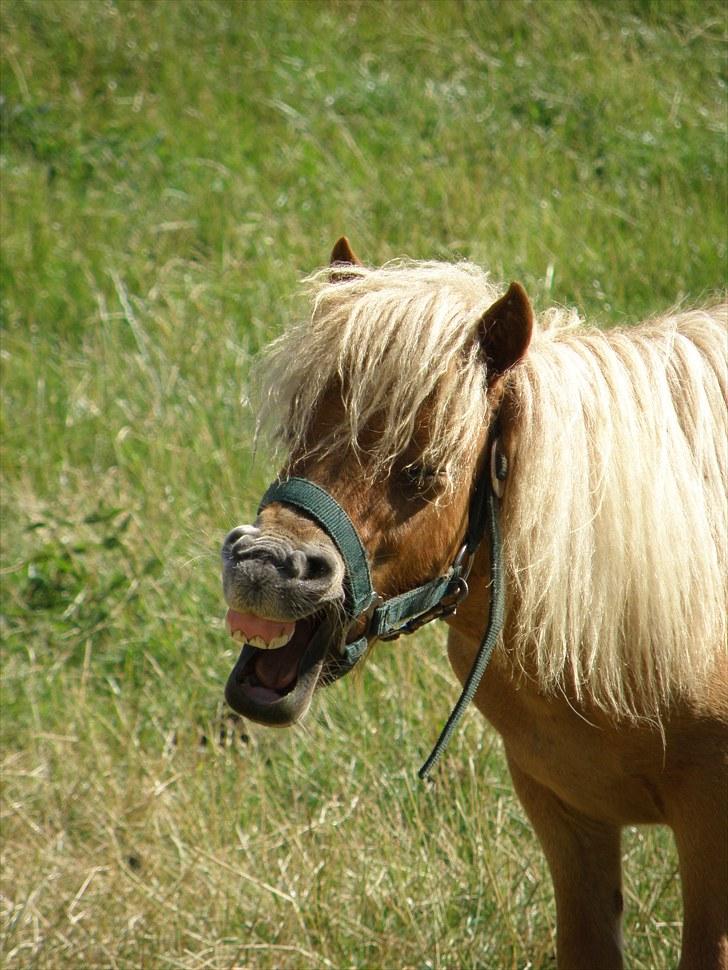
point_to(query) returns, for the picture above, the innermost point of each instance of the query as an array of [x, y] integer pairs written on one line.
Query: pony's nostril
[[238, 533], [319, 567]]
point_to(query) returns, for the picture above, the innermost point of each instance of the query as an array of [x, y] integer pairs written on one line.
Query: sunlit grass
[[169, 171]]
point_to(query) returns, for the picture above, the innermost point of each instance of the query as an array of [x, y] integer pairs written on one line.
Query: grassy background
[[169, 170]]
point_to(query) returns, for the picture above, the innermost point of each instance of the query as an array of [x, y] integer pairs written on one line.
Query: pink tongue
[[251, 625]]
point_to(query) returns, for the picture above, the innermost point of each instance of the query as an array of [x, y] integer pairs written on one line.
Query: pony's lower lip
[[285, 702], [262, 695]]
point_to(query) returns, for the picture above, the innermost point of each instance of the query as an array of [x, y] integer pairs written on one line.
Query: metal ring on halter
[[464, 561], [498, 469]]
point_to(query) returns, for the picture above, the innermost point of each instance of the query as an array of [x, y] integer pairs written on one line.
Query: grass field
[[169, 171]]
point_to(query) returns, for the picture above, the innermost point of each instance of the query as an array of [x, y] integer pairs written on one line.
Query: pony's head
[[383, 399]]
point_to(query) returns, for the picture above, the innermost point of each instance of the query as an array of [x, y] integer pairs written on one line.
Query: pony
[[609, 681]]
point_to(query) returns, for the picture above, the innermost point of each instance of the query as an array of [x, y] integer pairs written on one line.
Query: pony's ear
[[342, 255], [505, 330]]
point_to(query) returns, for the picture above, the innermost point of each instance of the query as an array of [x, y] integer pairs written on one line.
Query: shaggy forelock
[[394, 339]]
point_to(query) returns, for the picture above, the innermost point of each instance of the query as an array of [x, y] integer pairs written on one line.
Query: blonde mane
[[616, 517], [615, 511]]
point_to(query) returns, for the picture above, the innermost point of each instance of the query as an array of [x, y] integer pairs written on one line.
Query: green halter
[[403, 614]]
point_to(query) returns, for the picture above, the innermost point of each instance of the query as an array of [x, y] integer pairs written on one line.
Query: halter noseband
[[403, 614]]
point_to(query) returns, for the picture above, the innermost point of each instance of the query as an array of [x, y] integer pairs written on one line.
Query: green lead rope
[[490, 637]]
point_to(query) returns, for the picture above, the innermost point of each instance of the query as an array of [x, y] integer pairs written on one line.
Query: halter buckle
[[447, 606]]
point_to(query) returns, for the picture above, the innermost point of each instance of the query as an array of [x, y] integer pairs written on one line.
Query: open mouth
[[279, 666]]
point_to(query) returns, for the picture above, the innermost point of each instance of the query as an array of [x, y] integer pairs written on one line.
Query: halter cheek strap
[[403, 614]]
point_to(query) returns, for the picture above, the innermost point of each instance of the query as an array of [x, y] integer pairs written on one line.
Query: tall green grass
[[169, 171]]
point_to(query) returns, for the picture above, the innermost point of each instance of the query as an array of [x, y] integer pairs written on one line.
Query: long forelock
[[394, 339]]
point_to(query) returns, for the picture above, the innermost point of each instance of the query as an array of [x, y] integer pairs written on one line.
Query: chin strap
[[403, 614]]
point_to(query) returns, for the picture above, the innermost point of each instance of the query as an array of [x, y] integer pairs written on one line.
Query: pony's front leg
[[585, 863], [702, 844]]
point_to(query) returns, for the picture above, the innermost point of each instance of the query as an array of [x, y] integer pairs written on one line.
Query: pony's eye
[[421, 475]]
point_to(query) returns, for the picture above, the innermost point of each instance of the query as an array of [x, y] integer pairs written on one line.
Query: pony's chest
[[605, 773]]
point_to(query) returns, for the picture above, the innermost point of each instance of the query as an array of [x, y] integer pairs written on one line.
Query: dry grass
[[135, 844]]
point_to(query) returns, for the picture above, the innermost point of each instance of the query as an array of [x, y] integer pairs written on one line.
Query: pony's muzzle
[[247, 546], [285, 594]]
